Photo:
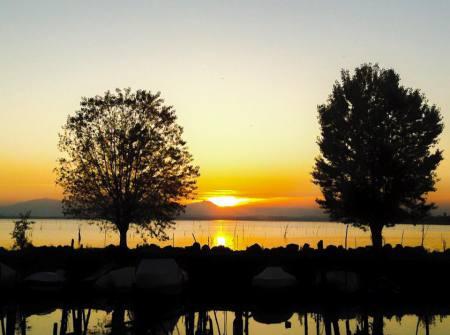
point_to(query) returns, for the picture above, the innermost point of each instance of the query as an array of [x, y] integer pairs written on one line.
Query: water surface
[[233, 234], [78, 321]]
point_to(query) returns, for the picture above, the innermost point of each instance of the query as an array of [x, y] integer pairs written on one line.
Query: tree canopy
[[20, 231], [124, 161], [378, 150]]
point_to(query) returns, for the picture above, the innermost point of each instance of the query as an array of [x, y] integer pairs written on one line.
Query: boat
[[45, 281], [8, 277], [343, 281], [274, 277], [122, 279], [161, 275]]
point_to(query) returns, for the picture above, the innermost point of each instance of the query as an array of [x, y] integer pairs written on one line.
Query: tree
[[378, 151], [19, 233], [125, 162]]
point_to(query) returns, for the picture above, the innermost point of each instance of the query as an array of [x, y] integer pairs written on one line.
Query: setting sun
[[228, 201], [221, 241]]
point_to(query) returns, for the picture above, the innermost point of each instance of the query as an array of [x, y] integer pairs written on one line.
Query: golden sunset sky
[[244, 76]]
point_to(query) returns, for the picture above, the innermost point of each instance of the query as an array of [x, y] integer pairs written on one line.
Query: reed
[[285, 231], [346, 235]]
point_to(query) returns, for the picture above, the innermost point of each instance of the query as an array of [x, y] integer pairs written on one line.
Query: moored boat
[[161, 275], [8, 277], [122, 279], [45, 281], [274, 277]]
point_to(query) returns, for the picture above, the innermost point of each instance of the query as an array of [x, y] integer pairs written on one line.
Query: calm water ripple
[[233, 234]]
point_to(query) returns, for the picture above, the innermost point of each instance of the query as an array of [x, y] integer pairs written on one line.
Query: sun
[[227, 201], [221, 240]]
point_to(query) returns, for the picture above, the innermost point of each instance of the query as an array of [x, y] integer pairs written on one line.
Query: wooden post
[[246, 323], [427, 325], [10, 322], [377, 324], [327, 323], [346, 235], [366, 325], [238, 324], [306, 323], [3, 325], [336, 327], [86, 322], [317, 324]]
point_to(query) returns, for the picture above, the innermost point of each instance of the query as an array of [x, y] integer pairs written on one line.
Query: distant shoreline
[[282, 219], [431, 221]]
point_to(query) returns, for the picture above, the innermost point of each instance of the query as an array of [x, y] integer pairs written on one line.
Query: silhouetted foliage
[[19, 233], [125, 162], [378, 156]]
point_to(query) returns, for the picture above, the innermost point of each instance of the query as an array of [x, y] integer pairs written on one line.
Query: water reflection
[[232, 234], [141, 320]]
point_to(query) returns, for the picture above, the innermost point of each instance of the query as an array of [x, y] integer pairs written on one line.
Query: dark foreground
[[380, 289], [79, 317], [389, 274], [181, 316]]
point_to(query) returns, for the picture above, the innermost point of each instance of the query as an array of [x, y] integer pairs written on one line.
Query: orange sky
[[245, 79]]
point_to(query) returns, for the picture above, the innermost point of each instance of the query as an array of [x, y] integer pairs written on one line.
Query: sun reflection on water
[[231, 234], [221, 241]]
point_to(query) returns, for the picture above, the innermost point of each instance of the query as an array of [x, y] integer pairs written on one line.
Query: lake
[[107, 316], [233, 234], [208, 322]]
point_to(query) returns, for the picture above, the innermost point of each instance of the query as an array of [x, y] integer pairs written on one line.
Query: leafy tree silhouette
[[125, 162], [378, 151], [19, 233]]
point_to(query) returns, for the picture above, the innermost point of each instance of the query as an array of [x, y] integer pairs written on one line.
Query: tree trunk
[[123, 229], [376, 234]]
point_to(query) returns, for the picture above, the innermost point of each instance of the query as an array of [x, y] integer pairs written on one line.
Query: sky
[[245, 78]]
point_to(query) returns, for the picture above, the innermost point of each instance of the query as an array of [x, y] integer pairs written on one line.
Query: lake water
[[220, 322], [41, 318], [233, 234]]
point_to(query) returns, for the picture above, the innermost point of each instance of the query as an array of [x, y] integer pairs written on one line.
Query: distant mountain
[[200, 209], [208, 210], [40, 208], [205, 210]]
